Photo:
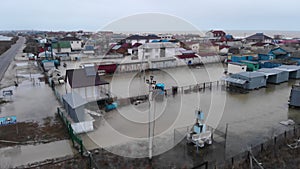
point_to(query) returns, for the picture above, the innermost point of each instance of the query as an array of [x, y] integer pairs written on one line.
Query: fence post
[[81, 147]]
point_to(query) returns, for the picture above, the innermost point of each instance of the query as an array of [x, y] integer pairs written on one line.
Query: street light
[[151, 83]]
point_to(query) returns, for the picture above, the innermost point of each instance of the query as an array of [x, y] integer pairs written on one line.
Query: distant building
[[259, 37], [141, 39], [61, 47], [156, 50], [215, 33], [76, 44]]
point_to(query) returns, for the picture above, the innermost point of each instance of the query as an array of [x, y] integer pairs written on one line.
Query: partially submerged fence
[[218, 158], [76, 140]]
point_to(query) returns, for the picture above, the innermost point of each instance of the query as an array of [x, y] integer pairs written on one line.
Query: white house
[[76, 44], [156, 50], [87, 83]]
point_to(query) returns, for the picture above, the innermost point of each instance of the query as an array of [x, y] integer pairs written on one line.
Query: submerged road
[[7, 57]]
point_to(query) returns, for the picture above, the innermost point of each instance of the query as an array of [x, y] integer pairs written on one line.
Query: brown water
[[22, 155], [252, 117]]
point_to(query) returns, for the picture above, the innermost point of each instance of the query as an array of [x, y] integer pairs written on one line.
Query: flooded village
[[211, 99]]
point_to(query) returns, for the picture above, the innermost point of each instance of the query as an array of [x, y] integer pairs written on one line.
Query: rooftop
[[74, 100], [84, 78]]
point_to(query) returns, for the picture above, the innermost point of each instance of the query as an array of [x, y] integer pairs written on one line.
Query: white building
[[76, 44], [236, 68], [154, 51]]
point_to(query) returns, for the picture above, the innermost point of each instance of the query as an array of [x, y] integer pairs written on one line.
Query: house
[[188, 57], [74, 105], [194, 46], [294, 71], [275, 76], [89, 49], [61, 47], [156, 50], [264, 54], [87, 83], [76, 44], [296, 56], [279, 53], [141, 39], [236, 68], [251, 65], [239, 58], [259, 37], [215, 34], [248, 80]]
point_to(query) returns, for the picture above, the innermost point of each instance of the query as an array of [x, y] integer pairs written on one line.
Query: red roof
[[185, 56], [218, 31]]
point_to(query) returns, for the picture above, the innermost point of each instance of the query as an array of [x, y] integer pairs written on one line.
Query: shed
[[251, 65], [74, 105], [253, 80], [236, 67], [295, 96], [294, 71], [275, 76]]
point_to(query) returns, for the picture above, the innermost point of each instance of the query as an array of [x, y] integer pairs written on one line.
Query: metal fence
[[272, 145], [215, 158], [77, 141]]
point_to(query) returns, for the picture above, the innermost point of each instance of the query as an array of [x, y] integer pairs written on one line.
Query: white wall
[[233, 68], [76, 45]]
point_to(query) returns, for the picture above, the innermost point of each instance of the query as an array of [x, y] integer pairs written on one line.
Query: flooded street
[[20, 155]]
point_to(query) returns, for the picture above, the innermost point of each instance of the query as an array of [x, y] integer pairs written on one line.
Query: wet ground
[[38, 134], [20, 155]]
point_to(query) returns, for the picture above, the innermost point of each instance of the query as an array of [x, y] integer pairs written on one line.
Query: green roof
[[61, 44]]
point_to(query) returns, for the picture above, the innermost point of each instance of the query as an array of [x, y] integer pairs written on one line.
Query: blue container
[[112, 106], [160, 86]]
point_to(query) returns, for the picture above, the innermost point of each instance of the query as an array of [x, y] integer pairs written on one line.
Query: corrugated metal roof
[[74, 100], [270, 71], [289, 68], [234, 80], [251, 74]]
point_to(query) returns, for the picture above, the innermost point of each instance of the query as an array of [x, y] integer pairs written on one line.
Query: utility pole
[[151, 83]]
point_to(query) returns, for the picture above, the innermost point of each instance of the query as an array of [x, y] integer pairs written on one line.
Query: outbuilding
[[74, 105], [275, 76], [236, 67], [295, 96], [294, 71], [251, 65], [251, 80]]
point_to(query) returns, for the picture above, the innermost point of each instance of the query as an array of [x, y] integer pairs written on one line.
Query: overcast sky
[[97, 14]]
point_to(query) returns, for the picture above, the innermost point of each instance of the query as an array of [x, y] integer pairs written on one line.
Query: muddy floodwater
[[20, 155], [252, 118]]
